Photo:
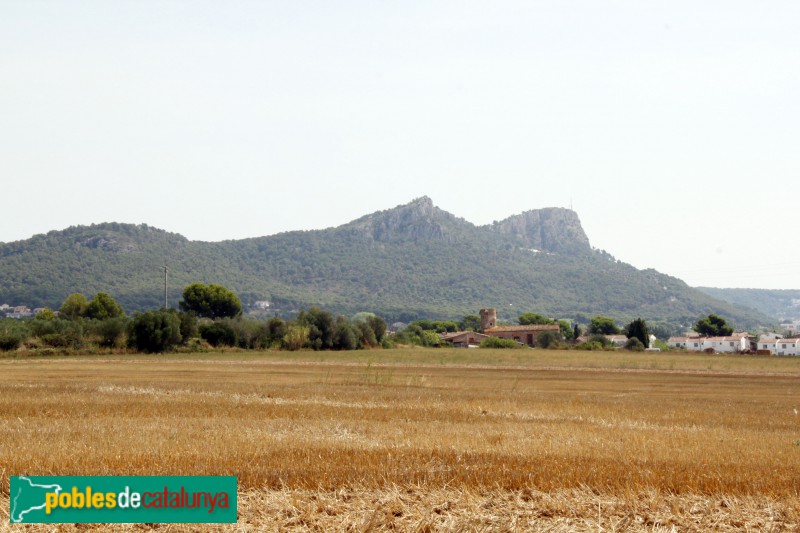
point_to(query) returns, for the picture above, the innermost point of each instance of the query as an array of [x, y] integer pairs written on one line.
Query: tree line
[[211, 314]]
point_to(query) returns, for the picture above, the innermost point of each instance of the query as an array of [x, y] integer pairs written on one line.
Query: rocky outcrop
[[553, 229], [417, 221]]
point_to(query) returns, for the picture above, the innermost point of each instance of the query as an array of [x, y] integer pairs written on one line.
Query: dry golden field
[[426, 439]]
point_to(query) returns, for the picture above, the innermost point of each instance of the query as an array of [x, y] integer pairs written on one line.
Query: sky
[[671, 127]]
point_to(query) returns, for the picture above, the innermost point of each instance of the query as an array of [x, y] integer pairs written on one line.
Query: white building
[[792, 327], [738, 342], [768, 344], [687, 343], [787, 347], [732, 344]]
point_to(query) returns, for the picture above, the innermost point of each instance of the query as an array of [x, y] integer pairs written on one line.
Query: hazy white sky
[[672, 127]]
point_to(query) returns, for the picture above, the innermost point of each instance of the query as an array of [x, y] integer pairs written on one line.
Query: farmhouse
[[524, 334], [463, 339]]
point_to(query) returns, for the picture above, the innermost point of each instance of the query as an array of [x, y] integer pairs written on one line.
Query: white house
[[732, 344], [787, 347], [737, 342], [687, 343], [768, 344]]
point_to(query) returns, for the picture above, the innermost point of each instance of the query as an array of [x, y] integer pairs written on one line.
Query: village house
[[617, 340], [523, 334], [463, 339], [767, 344], [686, 343], [736, 343], [787, 347]]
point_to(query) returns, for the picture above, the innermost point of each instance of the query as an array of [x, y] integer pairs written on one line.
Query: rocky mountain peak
[[552, 229], [415, 221]]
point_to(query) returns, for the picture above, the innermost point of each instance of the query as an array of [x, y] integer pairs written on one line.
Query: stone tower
[[488, 318]]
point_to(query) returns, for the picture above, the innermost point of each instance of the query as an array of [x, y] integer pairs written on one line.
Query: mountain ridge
[[412, 261]]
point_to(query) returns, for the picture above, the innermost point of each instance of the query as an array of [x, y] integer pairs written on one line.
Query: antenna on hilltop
[[166, 273], [570, 205]]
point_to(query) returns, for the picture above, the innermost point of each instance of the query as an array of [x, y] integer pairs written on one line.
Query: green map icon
[[28, 498]]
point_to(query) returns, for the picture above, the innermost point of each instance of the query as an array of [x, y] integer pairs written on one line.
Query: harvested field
[[427, 439]]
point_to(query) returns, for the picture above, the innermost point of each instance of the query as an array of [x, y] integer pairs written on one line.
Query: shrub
[[46, 314], [39, 327], [155, 331], [277, 330], [58, 333], [59, 340], [589, 346], [112, 332], [345, 336], [365, 334], [634, 344], [414, 334], [602, 340], [189, 328], [254, 334], [219, 334], [10, 340], [378, 326], [497, 342], [295, 337], [548, 339]]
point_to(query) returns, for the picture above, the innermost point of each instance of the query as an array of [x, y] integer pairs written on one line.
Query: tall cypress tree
[[638, 329]]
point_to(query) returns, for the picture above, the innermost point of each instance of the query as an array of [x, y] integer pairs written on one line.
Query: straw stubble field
[[424, 440]]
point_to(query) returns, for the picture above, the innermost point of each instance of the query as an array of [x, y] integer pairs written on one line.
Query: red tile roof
[[532, 327]]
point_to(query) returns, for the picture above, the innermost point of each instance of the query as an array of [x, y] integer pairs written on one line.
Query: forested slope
[[412, 261]]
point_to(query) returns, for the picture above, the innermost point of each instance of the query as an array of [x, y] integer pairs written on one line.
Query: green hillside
[[409, 262], [782, 304]]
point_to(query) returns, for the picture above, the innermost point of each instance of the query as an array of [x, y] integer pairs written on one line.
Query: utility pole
[[166, 271]]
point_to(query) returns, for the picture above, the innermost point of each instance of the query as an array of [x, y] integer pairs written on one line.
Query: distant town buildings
[[792, 327], [736, 343], [19, 311], [780, 346]]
